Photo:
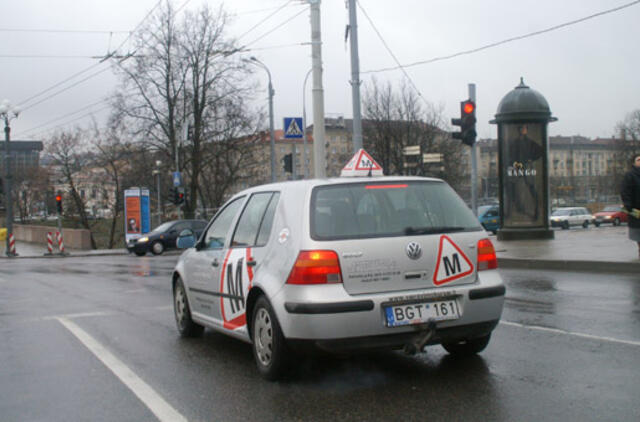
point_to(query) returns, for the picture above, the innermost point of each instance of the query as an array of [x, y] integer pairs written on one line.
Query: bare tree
[[186, 74], [68, 152], [112, 156], [627, 145], [394, 118]]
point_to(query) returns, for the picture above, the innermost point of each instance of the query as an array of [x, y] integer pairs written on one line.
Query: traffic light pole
[[474, 160]]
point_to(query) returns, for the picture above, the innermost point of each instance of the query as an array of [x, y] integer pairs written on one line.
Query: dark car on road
[[164, 236]]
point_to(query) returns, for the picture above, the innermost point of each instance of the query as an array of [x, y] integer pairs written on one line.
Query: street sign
[[431, 158], [411, 150], [177, 179], [292, 128]]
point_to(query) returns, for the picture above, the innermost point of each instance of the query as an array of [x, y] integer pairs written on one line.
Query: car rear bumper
[[395, 341], [326, 314]]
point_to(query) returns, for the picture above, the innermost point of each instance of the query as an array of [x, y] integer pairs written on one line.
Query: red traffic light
[[58, 198], [468, 107]]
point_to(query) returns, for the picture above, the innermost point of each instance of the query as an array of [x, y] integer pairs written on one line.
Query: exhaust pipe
[[418, 343]]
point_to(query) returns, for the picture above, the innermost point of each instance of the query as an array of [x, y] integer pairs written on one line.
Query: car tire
[[157, 247], [269, 347], [616, 222], [140, 253], [565, 225], [597, 224], [467, 347], [182, 312], [585, 224]]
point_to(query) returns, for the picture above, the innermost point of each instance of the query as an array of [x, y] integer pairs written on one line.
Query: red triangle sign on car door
[[451, 264]]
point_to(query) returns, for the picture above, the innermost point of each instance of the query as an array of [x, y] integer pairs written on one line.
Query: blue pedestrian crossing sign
[[293, 128], [177, 178]]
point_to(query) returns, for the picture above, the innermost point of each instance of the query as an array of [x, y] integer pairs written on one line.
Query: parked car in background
[[572, 216], [164, 236], [611, 214], [343, 265], [489, 216]]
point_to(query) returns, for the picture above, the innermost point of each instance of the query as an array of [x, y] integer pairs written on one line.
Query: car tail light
[[487, 259], [316, 267]]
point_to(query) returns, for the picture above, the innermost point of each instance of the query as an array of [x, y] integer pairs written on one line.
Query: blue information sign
[[177, 179], [293, 128]]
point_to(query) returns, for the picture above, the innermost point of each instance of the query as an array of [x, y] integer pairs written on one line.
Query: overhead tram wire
[[273, 29], [391, 53], [265, 19], [75, 75], [47, 123], [42, 132], [62, 31], [65, 89], [508, 40]]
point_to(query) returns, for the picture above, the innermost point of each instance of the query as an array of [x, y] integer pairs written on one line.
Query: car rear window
[[363, 210]]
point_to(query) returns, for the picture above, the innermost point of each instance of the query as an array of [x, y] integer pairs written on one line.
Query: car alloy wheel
[[157, 247], [186, 326], [269, 348], [263, 337]]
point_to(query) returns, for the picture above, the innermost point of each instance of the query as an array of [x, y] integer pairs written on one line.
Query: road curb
[[88, 254], [570, 265]]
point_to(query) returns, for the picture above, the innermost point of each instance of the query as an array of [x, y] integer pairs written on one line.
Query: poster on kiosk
[[137, 219]]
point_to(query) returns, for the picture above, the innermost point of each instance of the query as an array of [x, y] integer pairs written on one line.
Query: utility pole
[[474, 160], [355, 77], [319, 163], [304, 126]]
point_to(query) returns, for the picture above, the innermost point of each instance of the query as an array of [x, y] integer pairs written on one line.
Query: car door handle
[[251, 262], [215, 263]]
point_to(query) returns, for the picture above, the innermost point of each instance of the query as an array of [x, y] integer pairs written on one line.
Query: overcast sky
[[588, 71]]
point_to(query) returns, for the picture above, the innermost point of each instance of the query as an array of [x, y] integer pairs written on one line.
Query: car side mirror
[[186, 239]]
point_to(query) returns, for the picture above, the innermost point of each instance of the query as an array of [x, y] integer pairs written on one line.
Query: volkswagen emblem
[[414, 251]]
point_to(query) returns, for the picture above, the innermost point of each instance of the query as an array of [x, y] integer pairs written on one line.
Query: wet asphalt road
[[568, 348]]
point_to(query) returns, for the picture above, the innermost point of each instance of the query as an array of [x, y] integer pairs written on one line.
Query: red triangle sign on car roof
[[361, 165]]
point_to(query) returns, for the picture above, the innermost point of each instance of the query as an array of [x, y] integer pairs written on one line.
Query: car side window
[[267, 221], [179, 227], [246, 232], [218, 230]]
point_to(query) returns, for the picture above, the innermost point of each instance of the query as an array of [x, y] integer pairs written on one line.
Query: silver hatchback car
[[342, 265]]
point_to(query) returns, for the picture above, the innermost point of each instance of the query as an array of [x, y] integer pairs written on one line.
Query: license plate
[[420, 313]]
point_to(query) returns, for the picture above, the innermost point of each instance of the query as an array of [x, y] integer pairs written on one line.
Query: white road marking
[[570, 333], [163, 410], [163, 308], [79, 315]]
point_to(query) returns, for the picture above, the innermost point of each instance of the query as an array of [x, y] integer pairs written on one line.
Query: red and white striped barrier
[[60, 243], [12, 245], [49, 243]]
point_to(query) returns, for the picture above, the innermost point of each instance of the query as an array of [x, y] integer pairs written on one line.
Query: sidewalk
[[599, 249]]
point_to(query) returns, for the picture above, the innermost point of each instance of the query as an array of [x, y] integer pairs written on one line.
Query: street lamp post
[[304, 125], [271, 93], [157, 172], [8, 112]]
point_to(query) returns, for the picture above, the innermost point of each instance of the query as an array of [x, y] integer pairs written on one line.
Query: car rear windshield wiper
[[432, 230]]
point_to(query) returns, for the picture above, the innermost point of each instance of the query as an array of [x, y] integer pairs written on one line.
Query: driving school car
[[341, 265]]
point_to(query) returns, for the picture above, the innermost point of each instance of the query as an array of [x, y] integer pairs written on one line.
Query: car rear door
[[245, 257]]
